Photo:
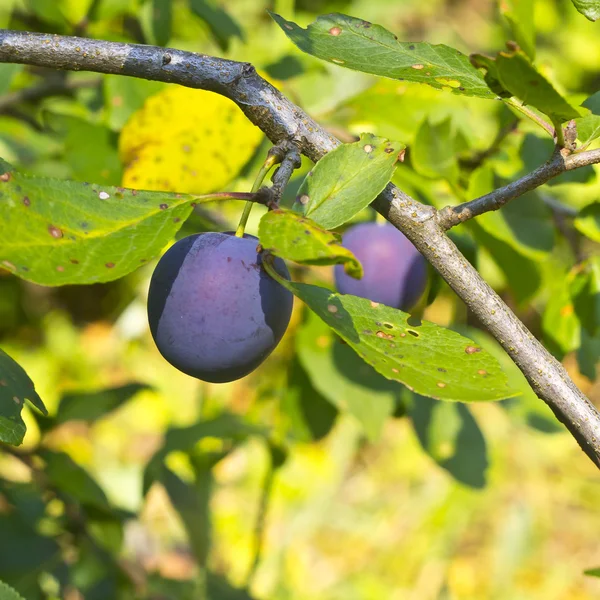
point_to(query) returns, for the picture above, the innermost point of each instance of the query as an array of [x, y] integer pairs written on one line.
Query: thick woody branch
[[281, 120], [450, 216]]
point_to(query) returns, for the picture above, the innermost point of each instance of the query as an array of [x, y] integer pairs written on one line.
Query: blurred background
[[313, 477]]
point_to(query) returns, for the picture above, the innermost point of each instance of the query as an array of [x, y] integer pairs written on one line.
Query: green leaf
[[561, 326], [123, 96], [584, 289], [183, 439], [519, 16], [294, 237], [341, 376], [222, 25], [514, 72], [7, 72], [428, 359], [191, 501], [15, 388], [525, 224], [590, 9], [311, 417], [535, 151], [588, 127], [55, 232], [91, 406], [89, 149], [450, 435], [66, 475], [363, 46], [23, 551], [347, 179], [592, 572], [588, 221], [8, 593], [433, 153], [162, 19]]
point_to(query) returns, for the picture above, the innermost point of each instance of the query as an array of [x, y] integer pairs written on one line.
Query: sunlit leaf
[[342, 377], [294, 237], [428, 359], [519, 15], [186, 140], [517, 75], [590, 9], [363, 46], [433, 153], [57, 232], [15, 388], [588, 221], [8, 593], [347, 179], [588, 127]]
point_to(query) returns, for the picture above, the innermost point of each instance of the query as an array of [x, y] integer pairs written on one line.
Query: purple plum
[[395, 273], [213, 310]]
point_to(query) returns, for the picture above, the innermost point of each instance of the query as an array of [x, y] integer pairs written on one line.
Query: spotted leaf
[[294, 237], [56, 232], [428, 359], [347, 179], [363, 46]]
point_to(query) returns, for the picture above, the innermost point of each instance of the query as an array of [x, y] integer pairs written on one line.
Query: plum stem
[[269, 163], [267, 263]]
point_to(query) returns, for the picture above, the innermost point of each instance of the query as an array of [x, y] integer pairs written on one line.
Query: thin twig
[[450, 216], [281, 120], [289, 162]]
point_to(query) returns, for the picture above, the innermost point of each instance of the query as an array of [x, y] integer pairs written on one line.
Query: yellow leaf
[[185, 140]]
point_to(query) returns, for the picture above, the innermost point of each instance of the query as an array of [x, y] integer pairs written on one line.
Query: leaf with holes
[[363, 46], [514, 73], [56, 232], [15, 388], [347, 179], [348, 383], [590, 9], [428, 359], [294, 237]]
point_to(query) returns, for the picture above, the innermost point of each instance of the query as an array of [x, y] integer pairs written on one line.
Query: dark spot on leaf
[[307, 232], [411, 47], [60, 268], [388, 325], [367, 332], [383, 335], [472, 349], [5, 177], [441, 370], [413, 333], [55, 232], [176, 220], [26, 201], [388, 150], [109, 265], [163, 206], [74, 261], [3, 383]]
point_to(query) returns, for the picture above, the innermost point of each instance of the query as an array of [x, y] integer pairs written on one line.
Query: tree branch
[[281, 120], [450, 216]]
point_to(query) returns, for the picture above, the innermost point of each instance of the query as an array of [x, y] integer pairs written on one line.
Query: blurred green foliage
[[311, 478]]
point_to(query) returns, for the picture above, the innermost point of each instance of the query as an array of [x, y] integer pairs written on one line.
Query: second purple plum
[[395, 273]]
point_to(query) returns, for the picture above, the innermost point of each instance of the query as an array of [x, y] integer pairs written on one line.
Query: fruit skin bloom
[[213, 310], [395, 273]]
